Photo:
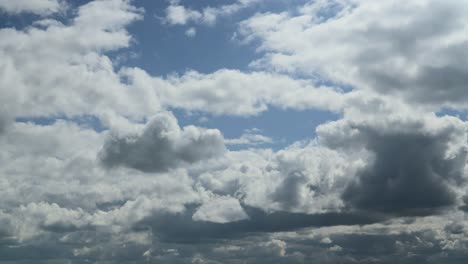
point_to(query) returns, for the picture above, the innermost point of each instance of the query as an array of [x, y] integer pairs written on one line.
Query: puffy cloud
[[236, 93], [162, 145], [40, 7], [354, 194], [220, 210], [177, 14], [62, 70], [302, 178], [410, 156], [407, 50], [191, 32]]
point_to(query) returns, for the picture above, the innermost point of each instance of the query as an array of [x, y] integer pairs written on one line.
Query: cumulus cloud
[[236, 93], [410, 157], [39, 7], [177, 14], [407, 50], [384, 183], [191, 32], [220, 210], [161, 145], [62, 70]]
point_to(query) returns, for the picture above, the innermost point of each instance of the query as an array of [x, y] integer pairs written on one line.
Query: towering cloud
[[410, 157]]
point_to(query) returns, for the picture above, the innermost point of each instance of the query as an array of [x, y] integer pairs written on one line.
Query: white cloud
[[250, 137], [407, 50], [236, 93], [191, 32], [220, 210], [62, 70], [171, 184], [40, 7], [177, 14]]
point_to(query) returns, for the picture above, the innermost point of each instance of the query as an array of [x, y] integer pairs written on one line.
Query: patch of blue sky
[[284, 126], [461, 114], [163, 49]]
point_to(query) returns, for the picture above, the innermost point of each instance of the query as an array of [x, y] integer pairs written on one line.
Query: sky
[[233, 131]]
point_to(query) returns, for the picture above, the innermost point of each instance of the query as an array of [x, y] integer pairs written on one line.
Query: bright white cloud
[[177, 14], [236, 93], [250, 137], [40, 7], [406, 50], [220, 210], [62, 70]]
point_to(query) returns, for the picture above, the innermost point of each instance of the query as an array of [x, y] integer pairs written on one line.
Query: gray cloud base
[[162, 145]]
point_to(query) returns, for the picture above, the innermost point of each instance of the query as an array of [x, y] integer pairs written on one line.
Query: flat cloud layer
[[386, 182]]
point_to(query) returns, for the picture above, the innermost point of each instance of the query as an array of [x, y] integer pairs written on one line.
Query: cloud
[[162, 145], [220, 210], [410, 157], [181, 228], [39, 7], [191, 32], [61, 69], [232, 92], [177, 14], [384, 183], [250, 137], [410, 51]]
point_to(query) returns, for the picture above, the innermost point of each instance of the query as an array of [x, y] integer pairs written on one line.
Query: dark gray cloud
[[162, 145], [409, 161], [181, 228], [287, 194], [3, 124], [464, 207], [409, 168]]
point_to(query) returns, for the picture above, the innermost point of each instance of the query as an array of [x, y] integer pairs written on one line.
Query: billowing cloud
[[61, 69], [40, 7], [232, 92], [94, 166], [161, 145], [178, 14], [409, 50], [409, 158], [220, 210]]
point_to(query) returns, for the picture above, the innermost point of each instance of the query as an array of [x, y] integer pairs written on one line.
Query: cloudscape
[[234, 131]]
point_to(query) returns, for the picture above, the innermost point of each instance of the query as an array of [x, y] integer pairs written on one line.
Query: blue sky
[[162, 49]]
